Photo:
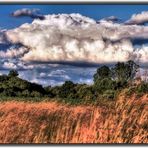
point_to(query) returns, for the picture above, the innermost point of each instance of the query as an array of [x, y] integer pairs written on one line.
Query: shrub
[[142, 88], [104, 84], [35, 94], [13, 73], [109, 94], [67, 90], [85, 92]]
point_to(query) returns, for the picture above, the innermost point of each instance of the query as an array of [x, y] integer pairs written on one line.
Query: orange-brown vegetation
[[51, 122]]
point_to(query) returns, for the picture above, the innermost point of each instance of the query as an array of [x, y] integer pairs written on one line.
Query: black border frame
[[71, 2]]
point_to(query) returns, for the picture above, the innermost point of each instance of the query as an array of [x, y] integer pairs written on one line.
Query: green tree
[[118, 72], [103, 80], [102, 72], [13, 73], [85, 92], [102, 85], [131, 70], [67, 90], [123, 72]]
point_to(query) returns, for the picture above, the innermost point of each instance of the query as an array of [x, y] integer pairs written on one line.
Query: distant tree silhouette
[[13, 73], [67, 89], [125, 71], [102, 72]]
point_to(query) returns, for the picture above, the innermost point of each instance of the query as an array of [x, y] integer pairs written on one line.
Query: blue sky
[[94, 11]]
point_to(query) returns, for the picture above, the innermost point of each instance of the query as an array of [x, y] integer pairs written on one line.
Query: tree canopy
[[102, 72], [13, 73], [108, 81], [125, 71]]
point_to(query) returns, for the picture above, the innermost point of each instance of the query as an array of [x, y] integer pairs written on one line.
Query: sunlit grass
[[54, 122]]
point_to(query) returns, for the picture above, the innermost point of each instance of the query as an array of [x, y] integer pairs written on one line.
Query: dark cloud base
[[76, 64]]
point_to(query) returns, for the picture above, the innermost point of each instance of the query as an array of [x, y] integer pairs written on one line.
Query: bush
[[25, 93], [13, 73], [35, 94], [109, 94], [85, 92], [129, 91], [139, 90], [13, 86], [142, 88], [104, 84], [67, 90]]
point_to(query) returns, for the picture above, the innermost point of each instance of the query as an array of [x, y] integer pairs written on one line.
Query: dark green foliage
[[120, 84], [3, 78], [102, 72], [142, 88], [132, 69], [13, 86], [67, 90], [138, 90], [104, 84], [103, 80], [122, 72], [109, 94], [108, 83], [85, 92], [116, 78], [50, 91], [13, 73]]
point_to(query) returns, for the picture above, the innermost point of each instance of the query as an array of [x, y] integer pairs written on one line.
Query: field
[[53, 122]]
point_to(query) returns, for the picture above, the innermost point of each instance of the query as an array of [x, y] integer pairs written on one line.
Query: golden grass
[[51, 122]]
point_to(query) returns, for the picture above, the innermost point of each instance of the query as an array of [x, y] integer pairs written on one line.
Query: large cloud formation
[[76, 38], [45, 50]]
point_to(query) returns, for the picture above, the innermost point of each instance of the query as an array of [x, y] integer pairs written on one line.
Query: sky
[[94, 11], [69, 42]]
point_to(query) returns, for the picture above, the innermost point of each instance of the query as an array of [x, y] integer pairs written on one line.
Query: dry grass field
[[52, 122]]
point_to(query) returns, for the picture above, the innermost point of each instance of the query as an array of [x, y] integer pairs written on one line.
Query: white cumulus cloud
[[9, 65], [13, 52], [138, 19], [76, 38]]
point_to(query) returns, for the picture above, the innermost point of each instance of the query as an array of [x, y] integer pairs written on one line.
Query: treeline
[[108, 82], [13, 86]]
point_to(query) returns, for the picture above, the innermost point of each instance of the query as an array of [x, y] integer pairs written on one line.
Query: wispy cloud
[[110, 19], [33, 13]]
